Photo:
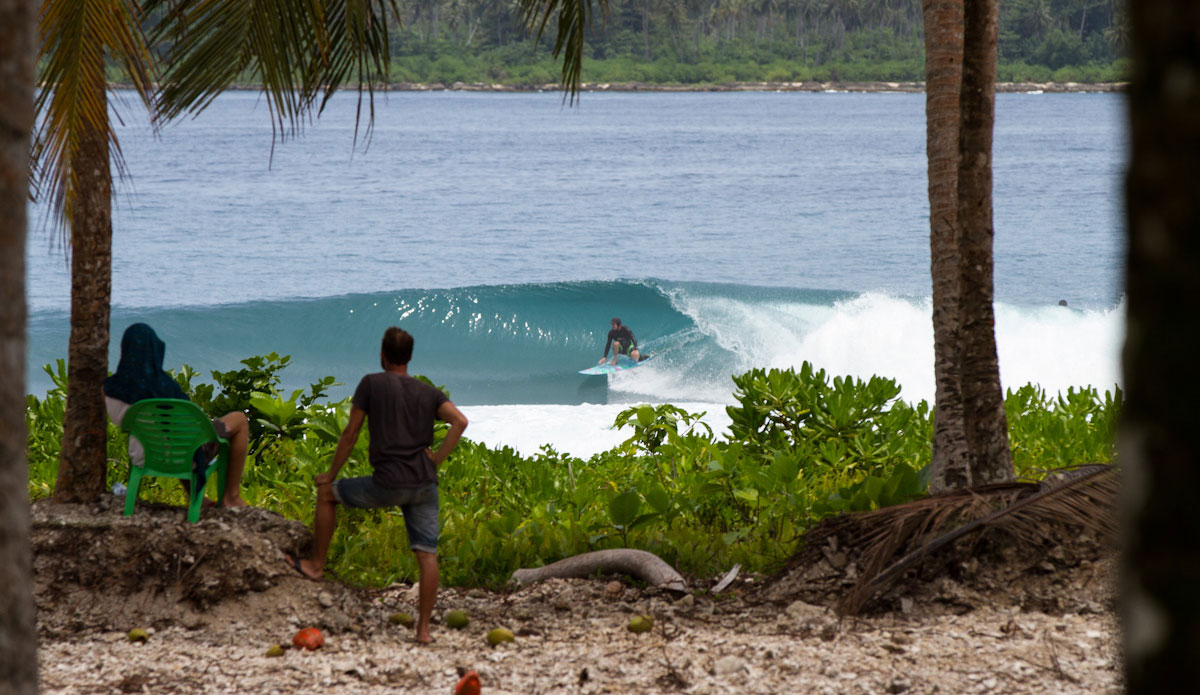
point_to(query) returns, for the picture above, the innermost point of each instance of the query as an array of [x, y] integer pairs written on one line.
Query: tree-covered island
[[716, 42]]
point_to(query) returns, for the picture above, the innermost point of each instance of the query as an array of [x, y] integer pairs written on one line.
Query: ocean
[[729, 230]]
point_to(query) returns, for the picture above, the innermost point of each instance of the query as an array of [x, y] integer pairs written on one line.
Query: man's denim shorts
[[419, 505]]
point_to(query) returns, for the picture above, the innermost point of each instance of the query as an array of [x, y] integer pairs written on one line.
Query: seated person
[[140, 376]]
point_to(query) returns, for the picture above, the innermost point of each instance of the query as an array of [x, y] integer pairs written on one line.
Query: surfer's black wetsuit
[[625, 341]]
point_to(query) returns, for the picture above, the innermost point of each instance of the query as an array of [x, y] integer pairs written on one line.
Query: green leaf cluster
[[839, 424], [254, 389]]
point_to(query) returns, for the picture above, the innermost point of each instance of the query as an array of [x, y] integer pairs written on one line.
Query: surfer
[[621, 339]]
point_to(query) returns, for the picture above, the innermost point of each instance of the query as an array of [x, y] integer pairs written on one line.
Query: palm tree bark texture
[[82, 464], [943, 81], [983, 399], [18, 642], [1159, 450]]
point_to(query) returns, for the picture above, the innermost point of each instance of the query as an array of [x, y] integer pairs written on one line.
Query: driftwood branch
[[648, 567]]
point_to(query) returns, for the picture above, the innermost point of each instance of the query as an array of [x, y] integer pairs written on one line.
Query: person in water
[[400, 412], [140, 376], [621, 339]]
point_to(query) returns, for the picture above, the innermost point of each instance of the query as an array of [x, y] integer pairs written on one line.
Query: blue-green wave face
[[524, 344], [488, 345]]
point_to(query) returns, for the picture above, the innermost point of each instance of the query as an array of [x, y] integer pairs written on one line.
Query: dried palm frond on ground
[[855, 559]]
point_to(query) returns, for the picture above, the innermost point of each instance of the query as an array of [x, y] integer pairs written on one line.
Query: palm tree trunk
[[983, 399], [943, 80], [1158, 445], [18, 640], [82, 462]]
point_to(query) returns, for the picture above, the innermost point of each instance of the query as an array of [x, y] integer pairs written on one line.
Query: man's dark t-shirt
[[625, 336], [400, 414]]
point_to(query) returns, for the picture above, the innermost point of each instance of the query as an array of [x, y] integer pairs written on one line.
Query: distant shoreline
[[813, 86]]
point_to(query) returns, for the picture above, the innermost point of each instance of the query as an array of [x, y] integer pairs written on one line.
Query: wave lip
[[523, 344]]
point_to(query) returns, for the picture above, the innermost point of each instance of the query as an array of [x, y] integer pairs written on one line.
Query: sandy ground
[[211, 623]]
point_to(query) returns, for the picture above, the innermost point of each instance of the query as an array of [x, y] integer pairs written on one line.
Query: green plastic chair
[[170, 430]]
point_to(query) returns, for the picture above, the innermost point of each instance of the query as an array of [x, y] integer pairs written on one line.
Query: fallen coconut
[[499, 635], [137, 634], [457, 619], [640, 624], [404, 619], [309, 638], [275, 650]]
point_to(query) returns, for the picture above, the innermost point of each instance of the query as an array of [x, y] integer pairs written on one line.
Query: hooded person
[[140, 375]]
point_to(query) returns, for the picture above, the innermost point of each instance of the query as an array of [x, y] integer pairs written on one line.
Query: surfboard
[[621, 366]]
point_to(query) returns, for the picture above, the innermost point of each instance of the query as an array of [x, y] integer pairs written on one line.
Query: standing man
[[621, 339], [400, 412]]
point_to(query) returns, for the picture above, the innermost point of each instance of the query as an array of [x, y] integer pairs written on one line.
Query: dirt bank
[[214, 596]]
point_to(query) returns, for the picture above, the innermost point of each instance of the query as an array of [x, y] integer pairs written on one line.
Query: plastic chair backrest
[[170, 430]]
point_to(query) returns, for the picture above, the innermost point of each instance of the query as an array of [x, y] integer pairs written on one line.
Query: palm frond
[[77, 37], [574, 17], [297, 49]]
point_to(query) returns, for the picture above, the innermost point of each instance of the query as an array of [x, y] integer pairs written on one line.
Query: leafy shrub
[[801, 447], [1069, 429]]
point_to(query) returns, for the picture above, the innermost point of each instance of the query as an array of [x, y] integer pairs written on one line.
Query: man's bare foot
[[425, 638], [234, 503], [305, 568]]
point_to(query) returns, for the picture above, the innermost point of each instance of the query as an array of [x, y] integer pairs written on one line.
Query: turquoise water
[[729, 230]]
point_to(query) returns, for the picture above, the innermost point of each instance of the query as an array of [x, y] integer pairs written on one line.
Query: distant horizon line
[[866, 86]]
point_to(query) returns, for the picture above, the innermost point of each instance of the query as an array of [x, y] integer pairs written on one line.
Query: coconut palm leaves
[[78, 39], [295, 50], [574, 18]]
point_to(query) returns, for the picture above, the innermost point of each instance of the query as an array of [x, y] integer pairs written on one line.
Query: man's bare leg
[[239, 443], [324, 523], [428, 577]]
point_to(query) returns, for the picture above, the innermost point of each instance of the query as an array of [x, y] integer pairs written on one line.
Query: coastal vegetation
[[802, 446], [693, 42], [688, 42]]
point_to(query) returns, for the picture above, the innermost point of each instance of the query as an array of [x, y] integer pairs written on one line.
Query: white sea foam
[[873, 334], [579, 430], [876, 334]]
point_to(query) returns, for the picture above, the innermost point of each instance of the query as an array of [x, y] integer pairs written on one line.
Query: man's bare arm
[[447, 412]]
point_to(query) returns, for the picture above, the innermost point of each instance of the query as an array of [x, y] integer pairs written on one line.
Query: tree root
[[643, 565]]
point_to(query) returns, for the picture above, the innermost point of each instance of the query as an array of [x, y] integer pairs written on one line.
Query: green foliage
[[1047, 432], [254, 389], [801, 447], [698, 44], [843, 424], [445, 42], [654, 425]]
